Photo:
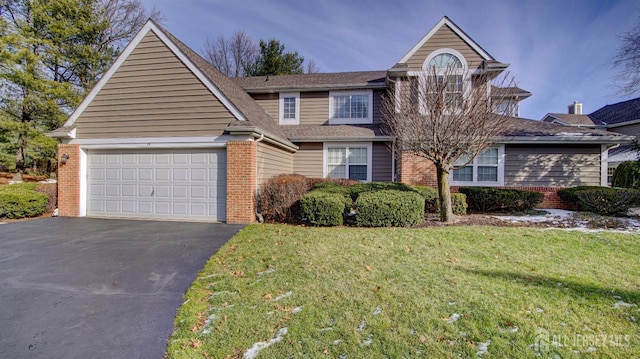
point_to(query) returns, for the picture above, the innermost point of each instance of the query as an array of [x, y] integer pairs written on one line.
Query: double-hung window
[[351, 107], [485, 169], [445, 79], [348, 161], [289, 108]]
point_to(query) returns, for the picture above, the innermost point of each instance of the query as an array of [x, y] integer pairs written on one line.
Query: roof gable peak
[[445, 21]]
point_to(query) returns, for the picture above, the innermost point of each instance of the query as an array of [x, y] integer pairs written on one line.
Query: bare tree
[[230, 55], [627, 59], [445, 116], [312, 68]]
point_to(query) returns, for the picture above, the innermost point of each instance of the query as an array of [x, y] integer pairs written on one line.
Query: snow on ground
[[252, 352], [568, 220]]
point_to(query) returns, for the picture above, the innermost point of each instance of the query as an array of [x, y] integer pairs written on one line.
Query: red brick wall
[[69, 181], [414, 170], [241, 181]]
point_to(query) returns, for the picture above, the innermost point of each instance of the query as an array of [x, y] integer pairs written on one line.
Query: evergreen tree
[[272, 60]]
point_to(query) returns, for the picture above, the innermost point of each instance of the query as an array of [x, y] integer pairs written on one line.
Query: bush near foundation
[[389, 208], [431, 205], [607, 201], [325, 208], [359, 188], [487, 199], [627, 175], [279, 197], [568, 195], [21, 200]]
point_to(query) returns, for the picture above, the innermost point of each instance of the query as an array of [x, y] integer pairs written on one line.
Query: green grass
[[398, 289]]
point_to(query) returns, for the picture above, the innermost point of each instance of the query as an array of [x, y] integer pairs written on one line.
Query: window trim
[[351, 121], [475, 182], [427, 72], [288, 121], [367, 145]]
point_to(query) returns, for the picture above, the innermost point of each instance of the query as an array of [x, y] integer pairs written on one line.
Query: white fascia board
[[150, 26], [561, 140], [445, 21], [152, 142]]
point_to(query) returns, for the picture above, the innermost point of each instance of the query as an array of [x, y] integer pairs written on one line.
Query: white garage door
[[175, 184]]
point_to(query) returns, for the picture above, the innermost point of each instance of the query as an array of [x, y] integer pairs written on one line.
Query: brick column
[[414, 170], [69, 181], [241, 181]]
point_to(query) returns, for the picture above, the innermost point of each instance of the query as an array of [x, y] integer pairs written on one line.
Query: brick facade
[[415, 170], [69, 181], [241, 181]]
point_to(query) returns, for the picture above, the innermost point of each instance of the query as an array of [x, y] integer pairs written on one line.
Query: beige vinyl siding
[[314, 108], [272, 161], [445, 38], [631, 130], [382, 163], [153, 94], [308, 160], [269, 102], [552, 165]]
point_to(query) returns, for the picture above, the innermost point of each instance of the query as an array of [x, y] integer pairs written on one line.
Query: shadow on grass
[[575, 288]]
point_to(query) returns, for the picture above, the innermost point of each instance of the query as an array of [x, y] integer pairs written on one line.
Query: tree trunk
[[444, 194]]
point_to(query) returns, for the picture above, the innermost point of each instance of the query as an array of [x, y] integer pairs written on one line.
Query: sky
[[560, 51]]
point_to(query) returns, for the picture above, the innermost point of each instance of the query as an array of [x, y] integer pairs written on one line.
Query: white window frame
[[289, 121], [475, 182], [367, 145], [427, 72], [351, 121]]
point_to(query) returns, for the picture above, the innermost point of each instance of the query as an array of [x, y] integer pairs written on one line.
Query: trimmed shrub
[[332, 187], [487, 199], [359, 188], [607, 201], [431, 200], [279, 197], [568, 195], [324, 209], [388, 208], [627, 175], [51, 190], [21, 200]]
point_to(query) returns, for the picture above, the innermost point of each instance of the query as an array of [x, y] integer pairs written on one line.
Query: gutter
[[564, 139], [309, 88], [258, 133], [343, 139]]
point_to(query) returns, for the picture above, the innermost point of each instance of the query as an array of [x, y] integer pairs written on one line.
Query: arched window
[[445, 77]]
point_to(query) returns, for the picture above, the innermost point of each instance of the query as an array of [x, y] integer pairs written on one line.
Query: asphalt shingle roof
[[361, 79], [617, 113], [573, 119], [525, 127], [322, 132]]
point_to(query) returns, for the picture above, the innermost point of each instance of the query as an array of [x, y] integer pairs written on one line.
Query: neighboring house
[[165, 135], [622, 117]]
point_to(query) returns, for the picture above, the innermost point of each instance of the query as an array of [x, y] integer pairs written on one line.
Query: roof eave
[[342, 139], [259, 133], [323, 87], [564, 139]]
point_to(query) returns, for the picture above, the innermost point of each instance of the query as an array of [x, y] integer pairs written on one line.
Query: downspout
[[393, 143], [259, 216]]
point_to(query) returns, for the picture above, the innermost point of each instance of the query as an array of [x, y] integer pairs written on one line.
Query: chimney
[[575, 108]]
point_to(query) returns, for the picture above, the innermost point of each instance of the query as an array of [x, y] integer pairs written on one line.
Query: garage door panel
[[177, 184]]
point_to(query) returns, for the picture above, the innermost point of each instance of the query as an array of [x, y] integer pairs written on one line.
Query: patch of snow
[[270, 270], [617, 297], [452, 303], [463, 334], [368, 341], [55, 213], [513, 329], [622, 304], [287, 294], [336, 342], [252, 352], [326, 329], [362, 325], [296, 310], [483, 347], [591, 350], [453, 318], [377, 311], [539, 310]]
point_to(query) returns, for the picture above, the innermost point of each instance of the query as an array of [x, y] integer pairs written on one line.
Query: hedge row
[[432, 201], [22, 200], [487, 199], [601, 200], [627, 175]]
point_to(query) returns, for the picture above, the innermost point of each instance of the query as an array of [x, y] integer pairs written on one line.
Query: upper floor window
[[445, 71], [353, 107], [289, 108], [507, 108]]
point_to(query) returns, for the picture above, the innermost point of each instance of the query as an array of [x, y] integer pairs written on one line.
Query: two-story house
[[165, 135]]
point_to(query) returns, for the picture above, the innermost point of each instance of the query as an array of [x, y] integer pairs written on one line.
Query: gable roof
[[569, 119], [509, 92], [445, 21], [525, 130], [313, 82], [246, 111], [626, 111]]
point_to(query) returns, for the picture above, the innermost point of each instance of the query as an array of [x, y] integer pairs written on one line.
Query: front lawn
[[283, 292]]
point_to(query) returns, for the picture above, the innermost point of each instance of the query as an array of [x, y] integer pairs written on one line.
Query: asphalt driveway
[[97, 288]]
